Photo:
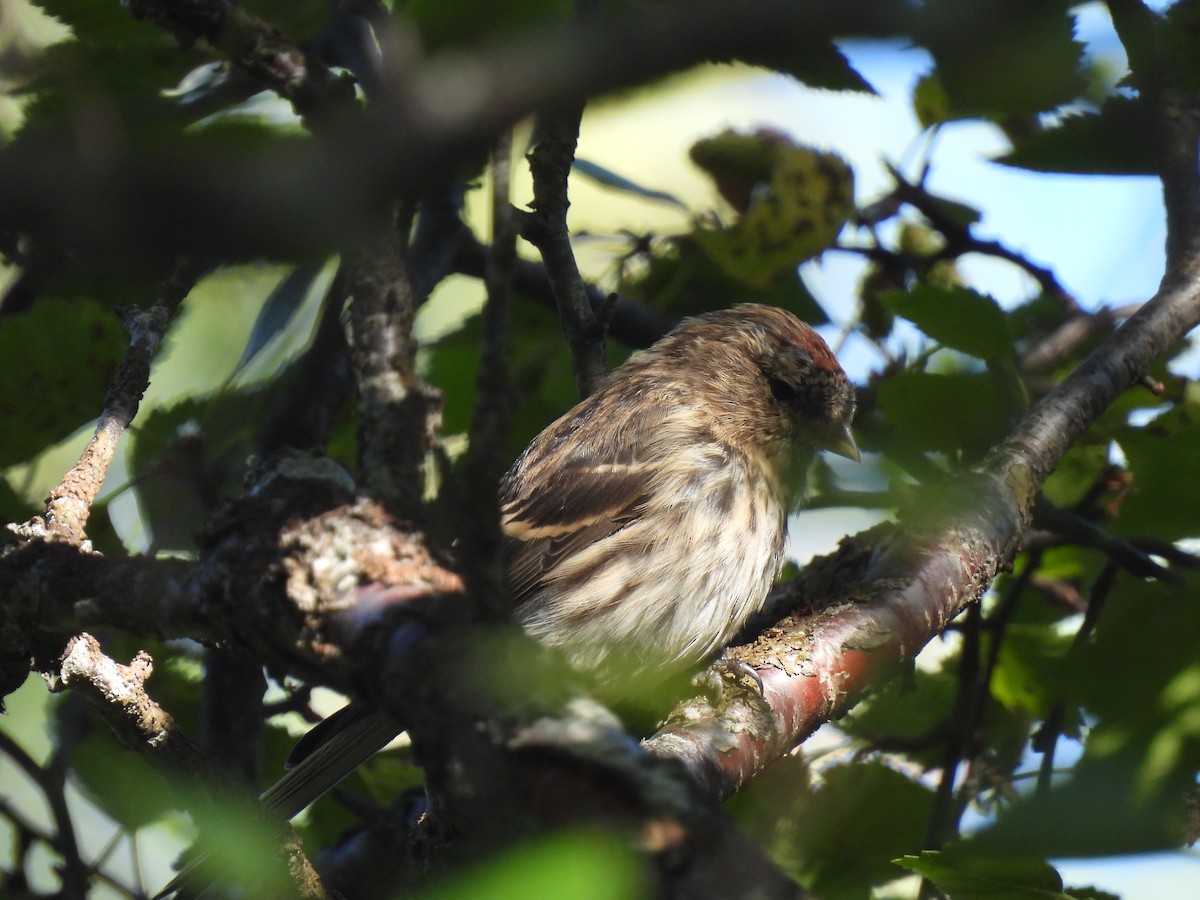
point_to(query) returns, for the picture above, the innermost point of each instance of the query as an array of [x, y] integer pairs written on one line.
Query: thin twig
[[546, 228], [487, 452], [70, 503], [52, 783], [632, 323]]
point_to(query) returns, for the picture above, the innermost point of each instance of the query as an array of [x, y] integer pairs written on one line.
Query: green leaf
[[1165, 496], [1004, 60], [280, 309], [965, 876], [682, 279], [818, 64], [446, 23], [929, 101], [613, 181], [948, 413], [906, 708], [188, 456], [958, 318], [578, 865], [860, 818], [1028, 669], [298, 19], [1097, 811], [1145, 710], [57, 362], [793, 202], [119, 781], [1116, 141], [88, 72], [1076, 473]]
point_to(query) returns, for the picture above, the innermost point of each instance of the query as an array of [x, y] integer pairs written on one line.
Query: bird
[[644, 526], [649, 521]]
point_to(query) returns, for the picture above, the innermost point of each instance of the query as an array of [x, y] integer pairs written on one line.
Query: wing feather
[[552, 508]]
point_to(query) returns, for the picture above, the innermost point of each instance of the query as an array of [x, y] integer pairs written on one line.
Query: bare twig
[[631, 322], [118, 694], [487, 453], [51, 780], [546, 228], [70, 503]]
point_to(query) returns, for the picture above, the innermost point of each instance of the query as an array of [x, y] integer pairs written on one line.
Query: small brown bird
[[650, 519], [643, 527]]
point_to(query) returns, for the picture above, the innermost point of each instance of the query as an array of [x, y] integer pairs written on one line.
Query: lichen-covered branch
[[70, 503], [398, 414]]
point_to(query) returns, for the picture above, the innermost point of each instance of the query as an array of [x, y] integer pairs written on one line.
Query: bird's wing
[[552, 508]]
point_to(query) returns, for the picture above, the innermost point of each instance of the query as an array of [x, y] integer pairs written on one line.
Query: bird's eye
[[782, 391]]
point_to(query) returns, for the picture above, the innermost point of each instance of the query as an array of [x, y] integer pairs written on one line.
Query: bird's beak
[[842, 443]]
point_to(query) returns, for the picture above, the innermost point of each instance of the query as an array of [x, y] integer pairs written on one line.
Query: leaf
[[683, 279], [906, 708], [572, 865], [1165, 496], [119, 782], [188, 456], [965, 876], [1116, 141], [855, 823], [948, 413], [958, 318], [448, 23], [818, 64], [86, 71], [929, 101], [1095, 812], [279, 310], [610, 179], [793, 200], [56, 362], [1003, 60], [1028, 669]]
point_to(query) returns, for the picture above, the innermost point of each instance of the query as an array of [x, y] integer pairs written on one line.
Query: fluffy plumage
[[650, 519]]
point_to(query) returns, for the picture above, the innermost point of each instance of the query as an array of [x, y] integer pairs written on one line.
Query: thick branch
[[398, 414]]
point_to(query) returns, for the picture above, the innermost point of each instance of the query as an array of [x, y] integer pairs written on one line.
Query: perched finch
[[643, 527], [650, 519]]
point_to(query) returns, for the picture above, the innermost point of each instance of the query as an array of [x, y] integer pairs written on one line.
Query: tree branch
[[632, 323], [398, 414], [70, 503], [257, 48], [556, 135]]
